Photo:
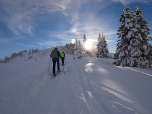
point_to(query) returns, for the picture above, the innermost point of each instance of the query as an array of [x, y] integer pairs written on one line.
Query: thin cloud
[[87, 22], [125, 2], [97, 41], [27, 45], [51, 43], [5, 40], [110, 33], [19, 14], [63, 35], [19, 17]]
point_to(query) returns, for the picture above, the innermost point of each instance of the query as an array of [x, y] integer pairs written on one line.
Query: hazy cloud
[[50, 43], [18, 15], [126, 2], [5, 40]]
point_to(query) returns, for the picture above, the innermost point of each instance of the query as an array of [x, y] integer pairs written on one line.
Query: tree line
[[80, 49], [21, 54]]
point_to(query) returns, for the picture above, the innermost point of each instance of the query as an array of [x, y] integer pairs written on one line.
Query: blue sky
[[33, 24]]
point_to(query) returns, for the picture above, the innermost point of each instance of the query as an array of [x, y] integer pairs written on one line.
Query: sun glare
[[87, 45], [73, 41]]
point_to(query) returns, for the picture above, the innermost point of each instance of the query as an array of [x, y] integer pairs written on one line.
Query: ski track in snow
[[87, 87]]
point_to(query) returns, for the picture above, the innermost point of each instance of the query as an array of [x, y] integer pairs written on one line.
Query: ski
[[56, 74], [63, 68], [53, 76]]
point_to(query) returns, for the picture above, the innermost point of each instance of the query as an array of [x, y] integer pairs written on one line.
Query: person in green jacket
[[62, 57], [55, 54]]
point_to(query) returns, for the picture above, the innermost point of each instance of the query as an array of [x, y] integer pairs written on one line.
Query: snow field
[[89, 86]]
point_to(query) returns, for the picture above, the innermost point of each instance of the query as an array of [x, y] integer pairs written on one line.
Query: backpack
[[62, 55], [54, 53]]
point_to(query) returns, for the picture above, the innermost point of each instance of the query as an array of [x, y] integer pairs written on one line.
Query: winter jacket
[[63, 54], [56, 59]]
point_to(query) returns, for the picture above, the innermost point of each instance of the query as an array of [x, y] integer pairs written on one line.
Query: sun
[[73, 41], [87, 45]]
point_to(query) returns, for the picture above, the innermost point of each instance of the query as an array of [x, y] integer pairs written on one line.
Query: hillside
[[89, 86]]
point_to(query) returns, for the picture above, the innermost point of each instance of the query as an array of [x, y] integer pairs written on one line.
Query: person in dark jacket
[[62, 57], [55, 54]]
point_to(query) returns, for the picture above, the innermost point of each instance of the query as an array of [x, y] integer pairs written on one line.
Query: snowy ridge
[[89, 86]]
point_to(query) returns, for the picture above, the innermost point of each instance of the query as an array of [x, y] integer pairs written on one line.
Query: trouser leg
[[63, 60], [58, 65], [54, 62]]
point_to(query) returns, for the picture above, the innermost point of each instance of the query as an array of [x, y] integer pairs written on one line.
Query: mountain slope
[[89, 86]]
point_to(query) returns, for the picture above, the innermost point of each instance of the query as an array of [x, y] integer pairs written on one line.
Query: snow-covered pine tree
[[78, 50], [143, 29], [69, 48], [72, 48], [98, 45], [75, 50], [150, 54], [80, 47], [84, 38], [130, 43], [79, 43], [102, 50], [85, 51], [92, 50], [2, 61], [20, 53], [30, 55], [7, 59], [12, 56]]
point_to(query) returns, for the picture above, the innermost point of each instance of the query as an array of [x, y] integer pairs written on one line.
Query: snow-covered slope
[[89, 86], [111, 55]]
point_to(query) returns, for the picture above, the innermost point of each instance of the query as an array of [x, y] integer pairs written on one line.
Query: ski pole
[[63, 66], [49, 64], [65, 61], [63, 69]]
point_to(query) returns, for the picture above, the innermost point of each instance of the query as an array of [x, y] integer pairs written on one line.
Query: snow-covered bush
[[36, 50], [13, 55], [2, 61], [78, 50], [31, 52], [69, 48], [30, 55], [7, 59], [21, 54]]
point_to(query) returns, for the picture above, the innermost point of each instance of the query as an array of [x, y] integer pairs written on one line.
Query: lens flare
[[87, 45], [73, 41]]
